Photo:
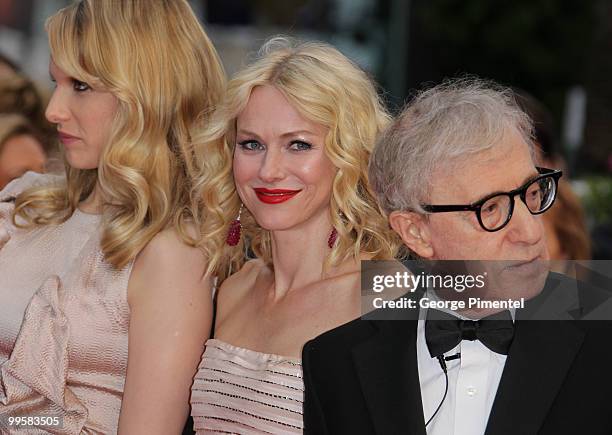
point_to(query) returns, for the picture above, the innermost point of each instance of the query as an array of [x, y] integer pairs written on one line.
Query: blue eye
[[80, 86], [250, 145], [299, 145]]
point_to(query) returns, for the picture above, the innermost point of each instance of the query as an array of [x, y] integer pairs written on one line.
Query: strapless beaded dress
[[241, 391]]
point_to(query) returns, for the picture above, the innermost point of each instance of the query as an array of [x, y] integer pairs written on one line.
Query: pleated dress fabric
[[64, 321], [241, 391]]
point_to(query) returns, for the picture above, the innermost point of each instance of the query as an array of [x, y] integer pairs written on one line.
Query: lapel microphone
[[442, 360]]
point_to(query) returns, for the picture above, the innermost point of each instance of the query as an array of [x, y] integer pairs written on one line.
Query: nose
[[525, 227], [272, 166], [57, 111]]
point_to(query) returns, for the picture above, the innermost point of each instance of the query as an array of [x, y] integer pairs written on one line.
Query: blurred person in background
[[18, 94], [20, 148], [286, 169], [567, 235], [104, 305]]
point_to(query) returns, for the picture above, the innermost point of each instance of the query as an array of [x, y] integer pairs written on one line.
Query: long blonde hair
[[156, 59], [326, 88]]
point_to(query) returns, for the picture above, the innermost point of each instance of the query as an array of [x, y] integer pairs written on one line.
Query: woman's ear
[[414, 231]]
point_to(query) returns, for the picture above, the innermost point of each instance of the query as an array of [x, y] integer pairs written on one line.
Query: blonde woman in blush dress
[[103, 299], [287, 154]]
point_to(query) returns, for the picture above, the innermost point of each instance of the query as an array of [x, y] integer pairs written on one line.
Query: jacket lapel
[[538, 360], [386, 365]]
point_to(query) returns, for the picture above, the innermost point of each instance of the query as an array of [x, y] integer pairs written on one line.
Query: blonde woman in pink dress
[[103, 303], [287, 152]]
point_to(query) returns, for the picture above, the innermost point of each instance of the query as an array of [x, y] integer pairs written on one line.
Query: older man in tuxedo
[[456, 175]]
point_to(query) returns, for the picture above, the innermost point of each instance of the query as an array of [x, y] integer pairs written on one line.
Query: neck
[[299, 254], [93, 203]]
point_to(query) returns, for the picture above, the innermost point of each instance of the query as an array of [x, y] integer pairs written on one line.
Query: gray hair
[[441, 127]]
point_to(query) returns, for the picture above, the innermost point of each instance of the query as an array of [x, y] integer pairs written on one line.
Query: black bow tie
[[444, 331]]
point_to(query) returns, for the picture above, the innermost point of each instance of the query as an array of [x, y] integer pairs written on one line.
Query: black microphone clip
[[442, 360]]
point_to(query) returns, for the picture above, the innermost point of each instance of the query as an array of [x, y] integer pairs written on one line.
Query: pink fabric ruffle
[[33, 379], [11, 190], [6, 209]]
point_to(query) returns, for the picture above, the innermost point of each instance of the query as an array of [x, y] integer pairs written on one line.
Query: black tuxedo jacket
[[362, 378]]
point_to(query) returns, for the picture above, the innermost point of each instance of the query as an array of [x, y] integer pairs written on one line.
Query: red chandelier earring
[[332, 238], [233, 235]]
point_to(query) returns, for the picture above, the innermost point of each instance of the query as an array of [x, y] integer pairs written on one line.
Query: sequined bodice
[[238, 390]]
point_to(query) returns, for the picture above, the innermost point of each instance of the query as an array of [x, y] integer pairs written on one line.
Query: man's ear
[[414, 231]]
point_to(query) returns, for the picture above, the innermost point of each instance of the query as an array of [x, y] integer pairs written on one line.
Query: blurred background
[[557, 54]]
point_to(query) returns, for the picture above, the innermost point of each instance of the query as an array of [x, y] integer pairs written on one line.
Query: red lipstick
[[274, 196], [66, 138]]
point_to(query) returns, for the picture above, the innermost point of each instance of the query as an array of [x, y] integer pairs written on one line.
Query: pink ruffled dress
[[240, 391], [64, 322]]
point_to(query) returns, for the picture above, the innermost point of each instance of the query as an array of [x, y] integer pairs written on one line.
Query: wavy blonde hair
[[326, 88], [157, 60]]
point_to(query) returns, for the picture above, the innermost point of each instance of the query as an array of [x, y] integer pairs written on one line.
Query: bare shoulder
[[167, 262], [168, 251], [170, 319]]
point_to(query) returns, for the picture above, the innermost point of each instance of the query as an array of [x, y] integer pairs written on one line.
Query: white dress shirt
[[472, 385]]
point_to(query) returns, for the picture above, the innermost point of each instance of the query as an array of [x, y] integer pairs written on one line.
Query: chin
[[517, 279], [82, 167], [76, 163], [269, 224]]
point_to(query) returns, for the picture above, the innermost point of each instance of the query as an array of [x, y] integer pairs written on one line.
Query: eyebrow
[[525, 181], [248, 133], [298, 133], [284, 135]]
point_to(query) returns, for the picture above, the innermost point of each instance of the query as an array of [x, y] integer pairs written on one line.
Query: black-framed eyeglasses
[[495, 211]]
